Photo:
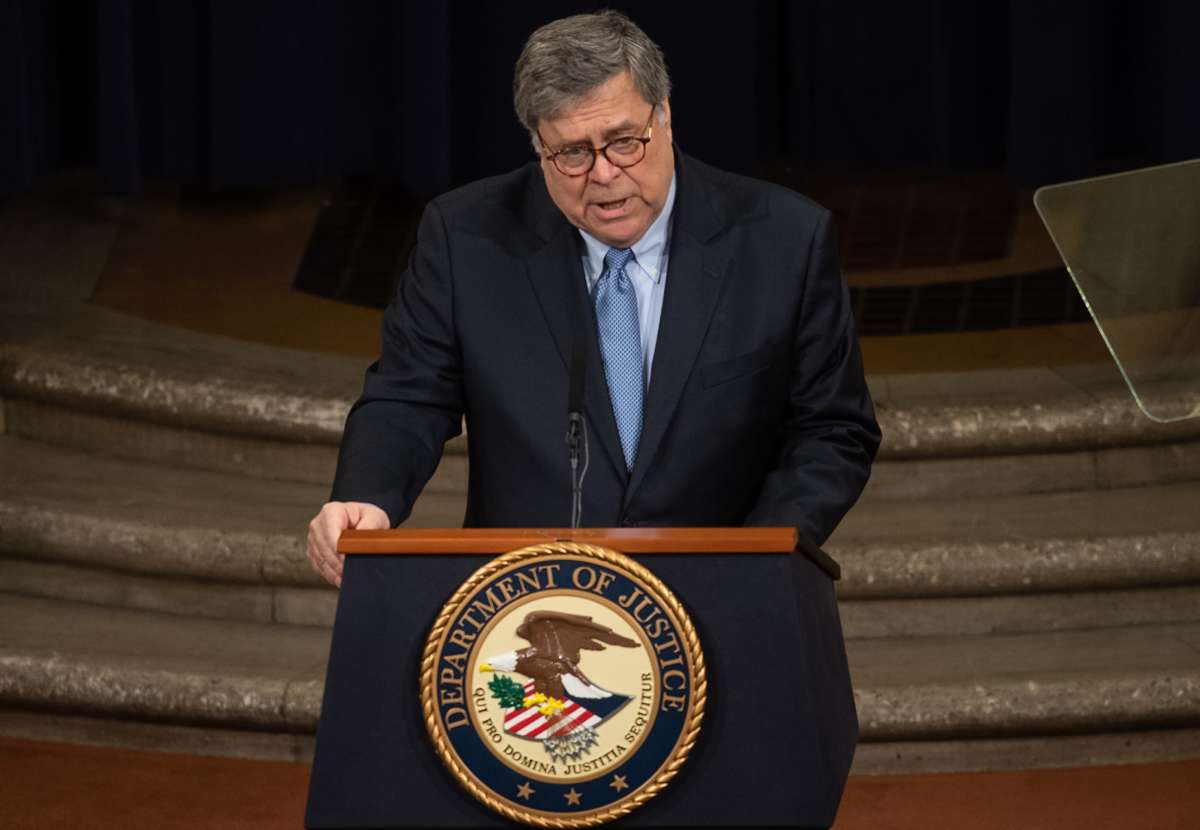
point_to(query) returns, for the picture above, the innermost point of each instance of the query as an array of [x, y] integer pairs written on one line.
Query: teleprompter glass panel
[[1131, 243]]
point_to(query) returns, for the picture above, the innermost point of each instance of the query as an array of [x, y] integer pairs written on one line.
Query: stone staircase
[[1021, 580]]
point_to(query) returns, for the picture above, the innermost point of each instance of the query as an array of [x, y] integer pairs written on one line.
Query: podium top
[[625, 540]]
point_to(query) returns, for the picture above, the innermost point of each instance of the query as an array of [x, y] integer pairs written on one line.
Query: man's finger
[[332, 575], [327, 526], [333, 559], [323, 533], [366, 516]]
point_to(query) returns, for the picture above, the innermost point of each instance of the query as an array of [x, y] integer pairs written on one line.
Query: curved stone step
[[1032, 472], [76, 659], [137, 665], [99, 380], [279, 459], [1018, 411], [101, 361], [124, 533], [1018, 614], [1099, 680], [1140, 536], [116, 532]]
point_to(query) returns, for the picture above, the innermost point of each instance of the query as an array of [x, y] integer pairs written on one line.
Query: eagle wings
[[552, 658]]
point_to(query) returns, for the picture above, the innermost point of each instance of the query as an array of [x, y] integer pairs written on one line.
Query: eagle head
[[501, 662]]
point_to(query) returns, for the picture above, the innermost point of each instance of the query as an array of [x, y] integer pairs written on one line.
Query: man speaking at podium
[[704, 313], [724, 384]]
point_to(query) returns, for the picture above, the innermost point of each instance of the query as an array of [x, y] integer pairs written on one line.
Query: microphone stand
[[577, 439], [577, 446]]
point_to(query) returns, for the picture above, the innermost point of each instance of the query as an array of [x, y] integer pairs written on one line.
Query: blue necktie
[[621, 347]]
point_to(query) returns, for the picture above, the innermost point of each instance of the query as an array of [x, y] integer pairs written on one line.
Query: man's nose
[[603, 171]]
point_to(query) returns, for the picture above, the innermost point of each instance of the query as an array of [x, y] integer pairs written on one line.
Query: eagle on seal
[[552, 658]]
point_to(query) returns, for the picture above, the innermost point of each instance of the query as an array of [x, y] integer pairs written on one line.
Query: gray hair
[[565, 61]]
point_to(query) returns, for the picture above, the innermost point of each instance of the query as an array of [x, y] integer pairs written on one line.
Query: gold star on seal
[[618, 783], [525, 791], [572, 797]]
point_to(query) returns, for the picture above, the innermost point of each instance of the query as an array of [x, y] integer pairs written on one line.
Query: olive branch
[[508, 693]]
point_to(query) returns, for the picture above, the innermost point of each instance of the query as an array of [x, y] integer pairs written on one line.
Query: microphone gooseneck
[[577, 441]]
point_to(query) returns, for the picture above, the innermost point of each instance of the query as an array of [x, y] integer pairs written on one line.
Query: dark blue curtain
[[30, 124], [260, 92]]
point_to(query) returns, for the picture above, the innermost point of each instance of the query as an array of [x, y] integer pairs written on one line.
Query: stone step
[[280, 459], [87, 659], [77, 660], [1097, 680], [1098, 539], [98, 380], [130, 534], [193, 542], [1031, 472], [1016, 614]]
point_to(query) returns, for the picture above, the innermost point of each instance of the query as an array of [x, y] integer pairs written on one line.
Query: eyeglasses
[[579, 159]]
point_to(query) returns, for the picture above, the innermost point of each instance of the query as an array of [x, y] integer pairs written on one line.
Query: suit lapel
[[696, 272], [556, 275]]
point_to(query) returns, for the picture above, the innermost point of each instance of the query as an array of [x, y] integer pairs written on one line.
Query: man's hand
[[327, 526]]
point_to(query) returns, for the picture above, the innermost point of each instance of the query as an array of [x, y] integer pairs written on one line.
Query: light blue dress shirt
[[647, 271]]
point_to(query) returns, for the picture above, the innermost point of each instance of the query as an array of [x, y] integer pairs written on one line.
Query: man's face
[[614, 204]]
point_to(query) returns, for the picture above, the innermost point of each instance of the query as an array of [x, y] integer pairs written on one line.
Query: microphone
[[577, 444], [578, 372]]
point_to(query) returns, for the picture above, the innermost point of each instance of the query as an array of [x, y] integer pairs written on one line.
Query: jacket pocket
[[723, 371]]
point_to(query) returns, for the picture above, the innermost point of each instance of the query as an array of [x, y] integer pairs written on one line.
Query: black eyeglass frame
[[596, 151]]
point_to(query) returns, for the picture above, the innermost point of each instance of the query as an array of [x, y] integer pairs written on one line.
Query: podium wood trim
[[692, 540]]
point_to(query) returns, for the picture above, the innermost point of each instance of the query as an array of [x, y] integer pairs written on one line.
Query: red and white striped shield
[[528, 722]]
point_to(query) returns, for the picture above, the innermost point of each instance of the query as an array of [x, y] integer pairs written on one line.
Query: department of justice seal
[[563, 685]]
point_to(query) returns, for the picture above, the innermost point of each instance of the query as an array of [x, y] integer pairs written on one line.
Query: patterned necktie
[[621, 347]]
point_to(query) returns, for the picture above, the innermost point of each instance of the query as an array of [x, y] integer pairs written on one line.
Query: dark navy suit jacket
[[757, 411]]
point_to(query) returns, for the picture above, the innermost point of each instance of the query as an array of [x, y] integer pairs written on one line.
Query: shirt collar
[[647, 251]]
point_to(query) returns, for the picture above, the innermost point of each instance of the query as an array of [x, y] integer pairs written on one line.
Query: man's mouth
[[610, 206]]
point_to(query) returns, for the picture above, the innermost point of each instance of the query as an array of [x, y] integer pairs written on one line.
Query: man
[[724, 383], [754, 409]]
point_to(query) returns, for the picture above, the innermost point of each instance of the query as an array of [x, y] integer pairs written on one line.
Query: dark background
[[268, 92]]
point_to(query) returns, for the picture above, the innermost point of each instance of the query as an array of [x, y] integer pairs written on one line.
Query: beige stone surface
[[1042, 683], [66, 506], [287, 460], [101, 586], [1018, 614], [100, 361], [122, 437], [304, 606], [272, 459], [1033, 472], [1142, 536], [1022, 579], [85, 659], [1017, 410], [157, 737], [983, 754]]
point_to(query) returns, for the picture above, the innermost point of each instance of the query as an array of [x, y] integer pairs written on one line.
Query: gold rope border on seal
[[665, 773]]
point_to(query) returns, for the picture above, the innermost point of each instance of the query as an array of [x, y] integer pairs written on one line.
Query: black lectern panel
[[778, 733]]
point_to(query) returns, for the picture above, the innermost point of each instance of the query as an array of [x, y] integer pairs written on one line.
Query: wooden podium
[[780, 726]]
